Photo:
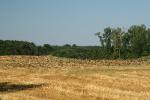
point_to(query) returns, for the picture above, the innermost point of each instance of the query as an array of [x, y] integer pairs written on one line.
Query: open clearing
[[52, 78]]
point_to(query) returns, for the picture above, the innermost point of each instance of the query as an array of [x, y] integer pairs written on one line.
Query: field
[[52, 78]]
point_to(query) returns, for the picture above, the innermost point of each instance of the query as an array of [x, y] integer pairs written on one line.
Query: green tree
[[117, 36], [137, 39], [100, 38]]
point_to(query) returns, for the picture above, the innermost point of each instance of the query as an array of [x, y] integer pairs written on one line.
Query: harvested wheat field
[[52, 78]]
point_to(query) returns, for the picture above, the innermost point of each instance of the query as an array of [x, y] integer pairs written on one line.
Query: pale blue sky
[[59, 22]]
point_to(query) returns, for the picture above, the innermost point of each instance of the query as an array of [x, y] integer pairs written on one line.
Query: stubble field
[[52, 78]]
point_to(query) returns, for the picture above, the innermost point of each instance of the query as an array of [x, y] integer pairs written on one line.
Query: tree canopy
[[125, 44]]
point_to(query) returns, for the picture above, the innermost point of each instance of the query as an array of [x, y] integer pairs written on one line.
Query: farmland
[[53, 78]]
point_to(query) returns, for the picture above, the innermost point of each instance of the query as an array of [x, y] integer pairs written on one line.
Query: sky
[[59, 22]]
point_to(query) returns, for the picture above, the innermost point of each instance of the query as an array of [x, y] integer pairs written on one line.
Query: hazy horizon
[[59, 22]]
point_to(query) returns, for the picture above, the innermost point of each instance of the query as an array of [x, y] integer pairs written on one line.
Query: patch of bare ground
[[52, 78]]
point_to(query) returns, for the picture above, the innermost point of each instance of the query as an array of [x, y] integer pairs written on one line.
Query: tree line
[[133, 43], [114, 44], [14, 47]]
